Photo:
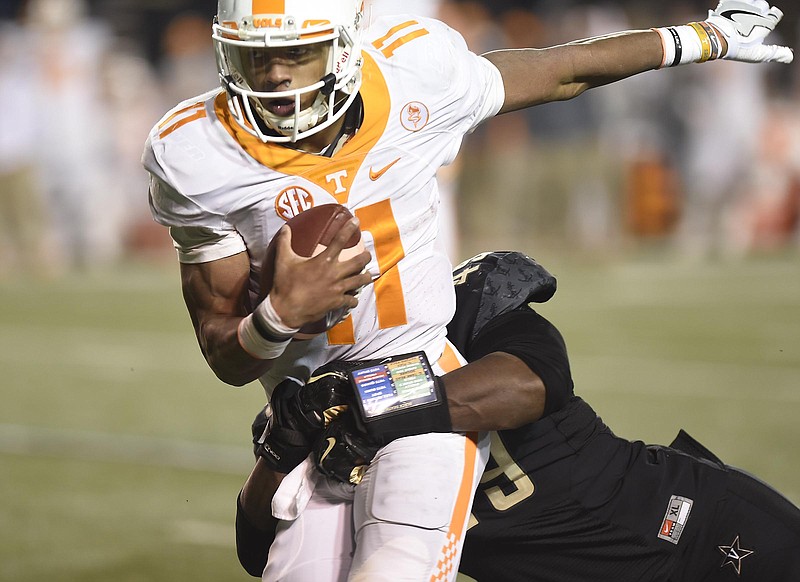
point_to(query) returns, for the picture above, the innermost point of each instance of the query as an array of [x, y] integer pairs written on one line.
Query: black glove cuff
[[399, 396], [283, 449]]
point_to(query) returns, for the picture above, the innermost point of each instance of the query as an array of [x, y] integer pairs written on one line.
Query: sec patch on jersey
[[312, 232]]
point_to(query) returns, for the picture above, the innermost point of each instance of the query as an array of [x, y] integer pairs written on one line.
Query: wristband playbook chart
[[394, 386]]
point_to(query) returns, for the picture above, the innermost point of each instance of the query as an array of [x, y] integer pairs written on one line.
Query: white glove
[[744, 24]]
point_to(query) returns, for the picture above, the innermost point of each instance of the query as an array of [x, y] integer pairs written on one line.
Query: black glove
[[299, 413], [313, 406], [342, 451], [285, 441]]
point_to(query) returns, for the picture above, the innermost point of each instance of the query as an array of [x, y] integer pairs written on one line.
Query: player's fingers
[[355, 264], [769, 53], [776, 13], [283, 245], [346, 231], [356, 283]]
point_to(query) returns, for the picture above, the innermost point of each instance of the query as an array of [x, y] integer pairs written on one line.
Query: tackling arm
[[496, 392]]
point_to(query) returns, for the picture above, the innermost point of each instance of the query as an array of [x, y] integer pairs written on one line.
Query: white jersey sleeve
[[194, 244]]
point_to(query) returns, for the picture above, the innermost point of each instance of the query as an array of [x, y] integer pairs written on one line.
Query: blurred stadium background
[[668, 206]]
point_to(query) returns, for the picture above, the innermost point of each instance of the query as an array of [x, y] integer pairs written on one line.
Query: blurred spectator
[[766, 214], [187, 66], [721, 102], [23, 220], [74, 155], [427, 8], [133, 99]]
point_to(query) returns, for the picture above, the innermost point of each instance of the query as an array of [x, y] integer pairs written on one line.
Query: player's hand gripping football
[[306, 289], [744, 24]]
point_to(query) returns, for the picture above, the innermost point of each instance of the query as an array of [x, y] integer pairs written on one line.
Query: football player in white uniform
[[314, 108]]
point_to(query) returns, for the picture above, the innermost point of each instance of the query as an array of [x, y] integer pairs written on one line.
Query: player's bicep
[[525, 334], [216, 289]]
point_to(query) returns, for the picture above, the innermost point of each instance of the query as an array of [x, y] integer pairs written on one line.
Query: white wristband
[[262, 334], [696, 42]]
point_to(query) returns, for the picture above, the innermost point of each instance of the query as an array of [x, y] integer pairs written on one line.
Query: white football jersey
[[222, 191]]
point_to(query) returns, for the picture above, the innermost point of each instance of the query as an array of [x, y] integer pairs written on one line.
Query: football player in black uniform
[[562, 499]]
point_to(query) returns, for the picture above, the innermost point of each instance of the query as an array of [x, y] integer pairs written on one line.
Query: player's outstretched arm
[[536, 76], [735, 30]]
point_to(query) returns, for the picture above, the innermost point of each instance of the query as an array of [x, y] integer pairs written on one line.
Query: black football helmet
[[493, 283]]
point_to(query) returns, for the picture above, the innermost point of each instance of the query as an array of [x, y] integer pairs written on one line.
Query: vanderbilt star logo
[[734, 554], [373, 175]]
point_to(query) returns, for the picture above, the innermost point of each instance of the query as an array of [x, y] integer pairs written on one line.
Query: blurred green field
[[121, 454]]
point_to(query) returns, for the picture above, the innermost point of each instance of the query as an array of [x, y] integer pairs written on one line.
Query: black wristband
[[399, 396], [414, 421], [283, 449]]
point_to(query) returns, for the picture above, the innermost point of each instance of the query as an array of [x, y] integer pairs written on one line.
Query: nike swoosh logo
[[745, 20], [331, 444], [373, 175]]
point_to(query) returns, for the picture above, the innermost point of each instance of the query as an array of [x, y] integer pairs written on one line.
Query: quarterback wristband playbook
[[696, 42], [262, 334], [399, 396]]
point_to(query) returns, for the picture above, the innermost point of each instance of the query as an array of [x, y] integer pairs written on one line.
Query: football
[[312, 232]]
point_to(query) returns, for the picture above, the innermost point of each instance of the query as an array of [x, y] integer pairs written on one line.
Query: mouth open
[[280, 107]]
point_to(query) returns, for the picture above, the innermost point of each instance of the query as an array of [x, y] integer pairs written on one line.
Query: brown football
[[312, 231]]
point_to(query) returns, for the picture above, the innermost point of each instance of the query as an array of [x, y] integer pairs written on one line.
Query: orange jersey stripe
[[389, 50], [449, 360], [378, 43], [199, 115], [342, 334], [446, 564], [165, 122]]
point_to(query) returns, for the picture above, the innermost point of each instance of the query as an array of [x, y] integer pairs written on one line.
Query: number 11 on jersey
[[378, 219]]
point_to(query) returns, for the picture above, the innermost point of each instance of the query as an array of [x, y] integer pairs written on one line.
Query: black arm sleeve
[[534, 340], [252, 544]]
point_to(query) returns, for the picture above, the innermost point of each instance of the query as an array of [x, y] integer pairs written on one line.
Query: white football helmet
[[243, 29]]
